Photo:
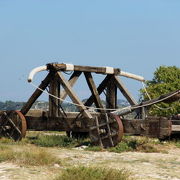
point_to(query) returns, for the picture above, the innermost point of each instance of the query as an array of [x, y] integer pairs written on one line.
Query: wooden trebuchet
[[104, 123]]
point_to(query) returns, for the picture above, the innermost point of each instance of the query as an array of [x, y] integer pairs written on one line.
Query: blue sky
[[134, 35]]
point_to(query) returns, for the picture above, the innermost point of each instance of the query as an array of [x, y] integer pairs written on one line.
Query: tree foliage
[[166, 79]]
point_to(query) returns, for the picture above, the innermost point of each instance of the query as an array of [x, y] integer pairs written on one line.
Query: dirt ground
[[143, 166]]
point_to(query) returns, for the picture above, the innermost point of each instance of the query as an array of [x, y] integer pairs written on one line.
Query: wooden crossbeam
[[100, 70], [73, 95], [124, 91], [93, 89], [37, 93], [72, 80], [100, 89]]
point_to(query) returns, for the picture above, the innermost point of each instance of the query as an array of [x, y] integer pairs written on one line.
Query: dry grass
[[28, 152], [27, 155], [93, 173]]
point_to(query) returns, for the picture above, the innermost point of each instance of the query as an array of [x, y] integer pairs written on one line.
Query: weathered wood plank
[[56, 124], [111, 95], [101, 70], [157, 127], [39, 120], [54, 89], [73, 95]]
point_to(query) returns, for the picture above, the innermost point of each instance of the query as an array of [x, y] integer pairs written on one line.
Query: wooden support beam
[[54, 89], [72, 80], [124, 91], [93, 89], [73, 95], [36, 93], [151, 126], [111, 95], [100, 70], [100, 89], [56, 124]]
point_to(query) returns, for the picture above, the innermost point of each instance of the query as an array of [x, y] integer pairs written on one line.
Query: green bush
[[92, 173], [166, 79]]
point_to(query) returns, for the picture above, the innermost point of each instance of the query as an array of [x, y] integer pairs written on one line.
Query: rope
[[157, 101], [88, 107], [130, 108], [109, 109]]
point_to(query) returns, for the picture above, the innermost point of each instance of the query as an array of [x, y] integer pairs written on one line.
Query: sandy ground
[[143, 166]]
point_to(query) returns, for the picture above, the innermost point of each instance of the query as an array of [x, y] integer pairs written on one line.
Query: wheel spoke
[[13, 125], [107, 131]]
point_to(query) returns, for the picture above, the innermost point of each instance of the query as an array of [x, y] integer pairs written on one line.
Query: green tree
[[166, 79]]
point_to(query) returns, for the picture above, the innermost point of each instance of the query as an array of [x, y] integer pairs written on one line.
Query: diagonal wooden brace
[[124, 91], [36, 93], [72, 80], [100, 89], [93, 89], [66, 85]]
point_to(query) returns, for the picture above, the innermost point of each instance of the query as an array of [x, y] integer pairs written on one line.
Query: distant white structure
[[42, 105]]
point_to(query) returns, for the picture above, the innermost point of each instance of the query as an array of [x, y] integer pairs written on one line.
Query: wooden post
[[54, 89], [111, 95]]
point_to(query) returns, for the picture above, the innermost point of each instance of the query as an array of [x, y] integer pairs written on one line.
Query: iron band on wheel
[[13, 125]]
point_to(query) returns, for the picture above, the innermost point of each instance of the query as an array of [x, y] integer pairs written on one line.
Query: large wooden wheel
[[107, 131], [13, 125]]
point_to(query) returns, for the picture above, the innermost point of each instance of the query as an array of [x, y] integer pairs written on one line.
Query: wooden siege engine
[[105, 125]]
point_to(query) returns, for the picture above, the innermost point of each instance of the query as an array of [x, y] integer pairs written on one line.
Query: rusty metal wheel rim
[[23, 123], [15, 124], [121, 128]]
